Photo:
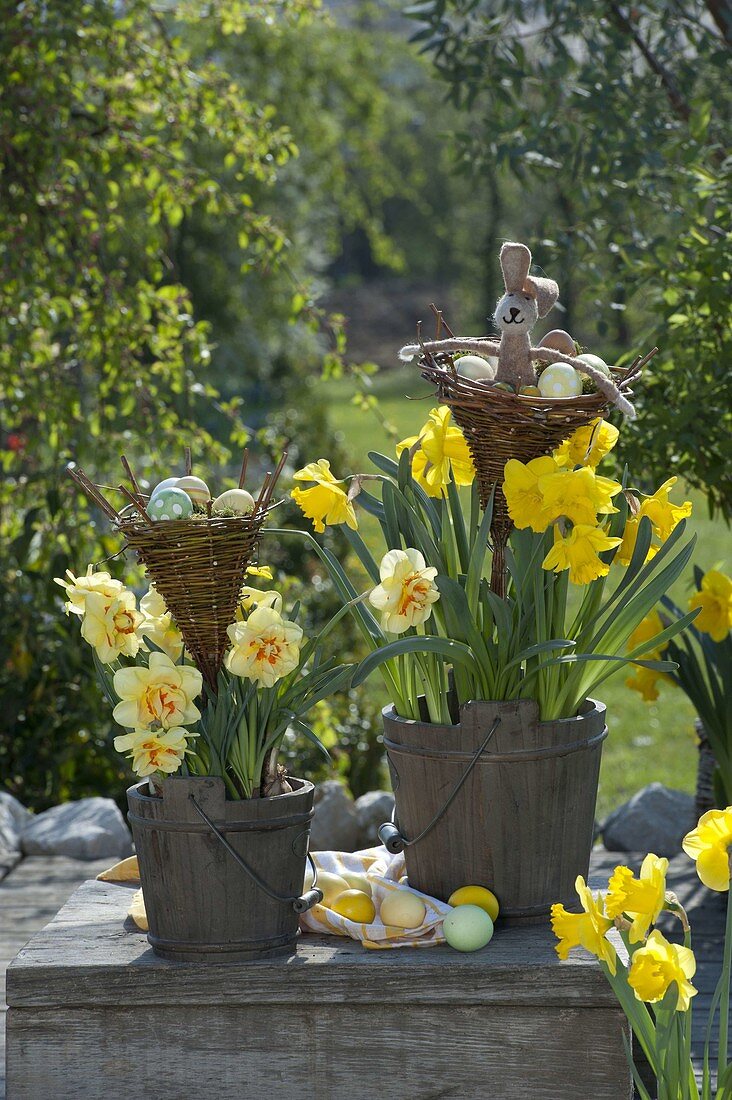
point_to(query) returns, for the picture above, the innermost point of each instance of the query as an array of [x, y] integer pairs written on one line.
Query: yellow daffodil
[[440, 449], [708, 844], [110, 624], [578, 494], [407, 590], [160, 695], [154, 750], [264, 647], [641, 899], [659, 963], [578, 551], [524, 497], [157, 625], [77, 588], [663, 515], [715, 601], [263, 571], [587, 446], [326, 502], [644, 680], [587, 929]]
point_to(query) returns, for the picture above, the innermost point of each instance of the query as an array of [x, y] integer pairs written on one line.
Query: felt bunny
[[526, 299]]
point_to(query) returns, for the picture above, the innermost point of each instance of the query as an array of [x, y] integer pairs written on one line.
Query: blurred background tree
[[603, 129]]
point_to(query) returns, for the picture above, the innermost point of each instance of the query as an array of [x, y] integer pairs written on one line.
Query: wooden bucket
[[201, 905], [522, 822]]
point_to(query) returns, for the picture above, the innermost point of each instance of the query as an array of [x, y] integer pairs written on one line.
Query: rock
[[13, 815], [372, 810], [335, 825], [15, 809], [92, 828], [656, 819]]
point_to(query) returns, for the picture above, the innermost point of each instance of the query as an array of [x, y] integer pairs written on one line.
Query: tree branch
[[673, 93]]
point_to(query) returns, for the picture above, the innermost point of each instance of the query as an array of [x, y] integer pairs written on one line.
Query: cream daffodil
[[157, 625], [264, 647], [77, 588], [110, 623], [709, 844], [326, 503], [252, 598], [659, 963], [154, 750], [406, 592], [641, 899], [160, 695]]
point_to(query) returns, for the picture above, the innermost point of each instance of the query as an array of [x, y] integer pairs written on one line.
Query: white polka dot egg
[[170, 503]]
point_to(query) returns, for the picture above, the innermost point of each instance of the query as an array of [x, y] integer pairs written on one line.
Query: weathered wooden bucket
[[522, 821], [201, 905]]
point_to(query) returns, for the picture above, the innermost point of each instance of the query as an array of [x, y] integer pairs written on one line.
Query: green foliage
[[604, 130]]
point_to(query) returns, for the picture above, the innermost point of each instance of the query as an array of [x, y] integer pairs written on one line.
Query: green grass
[[646, 742]]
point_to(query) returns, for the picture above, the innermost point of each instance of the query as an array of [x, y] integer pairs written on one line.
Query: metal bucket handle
[[390, 834], [300, 904]]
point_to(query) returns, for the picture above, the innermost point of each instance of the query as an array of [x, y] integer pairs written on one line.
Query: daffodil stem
[[724, 1003]]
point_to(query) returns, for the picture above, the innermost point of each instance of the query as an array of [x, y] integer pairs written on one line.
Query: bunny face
[[516, 312]]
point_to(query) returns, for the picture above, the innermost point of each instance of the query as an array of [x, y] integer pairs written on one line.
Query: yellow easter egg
[[355, 905], [357, 881], [530, 391], [476, 895], [402, 909], [331, 885]]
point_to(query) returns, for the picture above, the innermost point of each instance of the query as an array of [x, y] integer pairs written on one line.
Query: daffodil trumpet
[[439, 634]]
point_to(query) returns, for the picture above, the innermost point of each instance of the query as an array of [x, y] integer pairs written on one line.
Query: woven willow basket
[[499, 426]]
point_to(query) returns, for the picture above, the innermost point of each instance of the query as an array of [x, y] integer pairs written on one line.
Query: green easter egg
[[467, 928], [170, 503], [560, 380]]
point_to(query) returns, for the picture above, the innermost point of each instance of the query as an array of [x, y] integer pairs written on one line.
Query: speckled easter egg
[[196, 488], [170, 503], [475, 367], [468, 928], [235, 500], [560, 380], [559, 340], [167, 483]]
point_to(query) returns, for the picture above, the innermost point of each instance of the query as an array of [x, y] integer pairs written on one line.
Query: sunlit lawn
[[646, 742]]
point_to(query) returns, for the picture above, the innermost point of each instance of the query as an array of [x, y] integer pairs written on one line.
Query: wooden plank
[[364, 1051], [88, 953]]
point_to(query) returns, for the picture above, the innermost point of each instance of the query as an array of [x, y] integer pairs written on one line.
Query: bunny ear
[[545, 291], [515, 264]]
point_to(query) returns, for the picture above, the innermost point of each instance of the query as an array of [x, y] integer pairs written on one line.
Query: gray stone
[[335, 824], [656, 819], [15, 810], [372, 810], [92, 828]]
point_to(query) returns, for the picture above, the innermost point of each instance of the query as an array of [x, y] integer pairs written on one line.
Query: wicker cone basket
[[499, 426], [198, 565], [199, 568]]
